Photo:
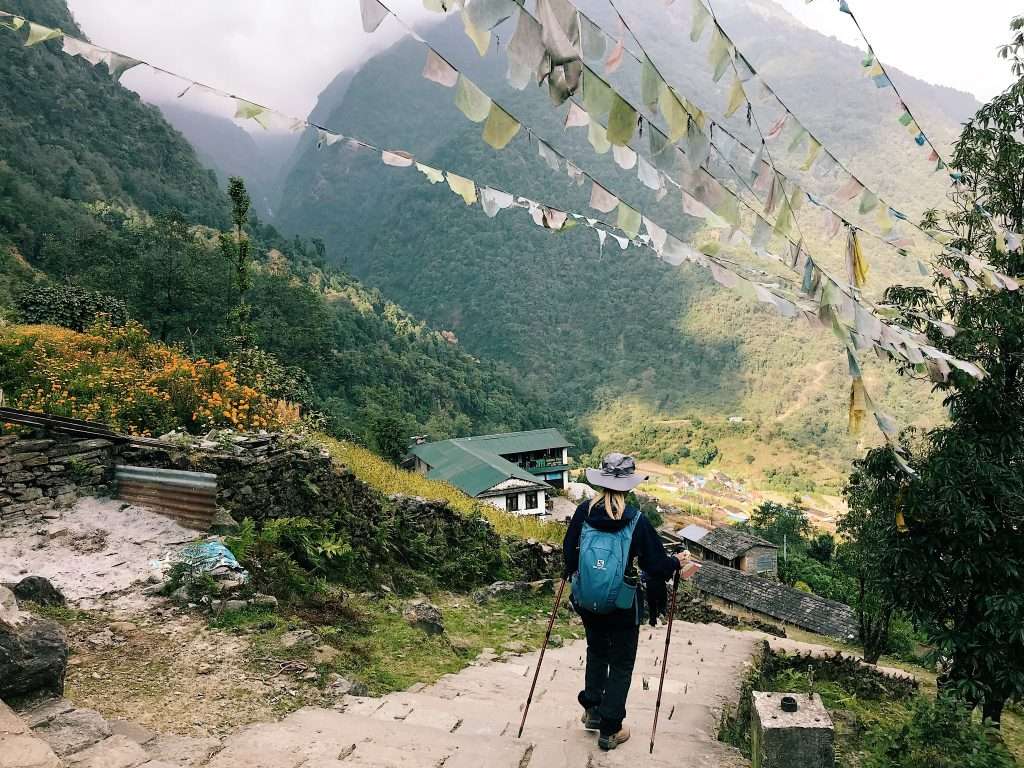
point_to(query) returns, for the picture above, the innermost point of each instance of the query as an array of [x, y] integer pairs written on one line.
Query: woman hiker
[[605, 540]]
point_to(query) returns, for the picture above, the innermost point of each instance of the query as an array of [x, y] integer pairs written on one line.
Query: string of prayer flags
[[494, 200], [471, 101], [37, 33], [500, 127], [117, 64], [246, 110], [463, 187], [525, 52], [372, 13], [11, 21], [856, 266]]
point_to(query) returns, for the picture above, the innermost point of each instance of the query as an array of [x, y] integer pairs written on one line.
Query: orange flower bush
[[119, 376]]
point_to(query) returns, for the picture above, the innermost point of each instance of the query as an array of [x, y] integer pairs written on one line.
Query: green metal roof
[[470, 465], [517, 442]]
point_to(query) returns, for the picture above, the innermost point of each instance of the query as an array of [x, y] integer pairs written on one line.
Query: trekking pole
[[536, 673], [664, 658]]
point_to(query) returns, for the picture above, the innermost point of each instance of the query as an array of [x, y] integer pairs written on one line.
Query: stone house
[[732, 547]]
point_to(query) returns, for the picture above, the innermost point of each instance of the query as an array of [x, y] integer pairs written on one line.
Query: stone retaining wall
[[46, 469]]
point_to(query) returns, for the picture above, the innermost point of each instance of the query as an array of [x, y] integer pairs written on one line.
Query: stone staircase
[[465, 720]]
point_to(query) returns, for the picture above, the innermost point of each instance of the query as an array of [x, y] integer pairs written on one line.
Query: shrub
[[705, 452], [939, 734], [118, 375], [68, 306]]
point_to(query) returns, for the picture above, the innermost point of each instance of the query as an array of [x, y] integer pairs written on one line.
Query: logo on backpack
[[599, 584]]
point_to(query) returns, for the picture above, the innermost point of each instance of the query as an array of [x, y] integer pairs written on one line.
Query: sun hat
[[617, 473]]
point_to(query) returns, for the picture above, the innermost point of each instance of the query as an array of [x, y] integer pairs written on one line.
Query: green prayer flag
[[736, 98], [784, 221], [906, 118], [598, 137], [663, 152], [650, 84], [868, 201], [597, 94], [591, 39], [471, 101], [718, 53], [700, 20], [673, 111], [798, 139], [621, 122], [11, 21], [500, 127], [246, 110], [37, 33], [628, 220]]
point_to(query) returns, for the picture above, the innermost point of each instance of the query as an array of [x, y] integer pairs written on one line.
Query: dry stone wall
[[44, 469]]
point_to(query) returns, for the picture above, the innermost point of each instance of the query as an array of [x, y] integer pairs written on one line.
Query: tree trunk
[[992, 710]]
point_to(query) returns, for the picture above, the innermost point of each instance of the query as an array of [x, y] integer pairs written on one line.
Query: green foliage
[[947, 544], [781, 524], [705, 452], [68, 306], [938, 734], [822, 547]]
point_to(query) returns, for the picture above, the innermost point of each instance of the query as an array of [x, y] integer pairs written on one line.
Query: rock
[[113, 752], [226, 586], [100, 639], [235, 605], [556, 641], [223, 522], [46, 711], [500, 589], [180, 595], [204, 669], [339, 685], [73, 731], [9, 613], [425, 616], [122, 627], [516, 647], [33, 657], [297, 638], [183, 751], [137, 733], [542, 585], [25, 751], [264, 601], [359, 689], [325, 654]]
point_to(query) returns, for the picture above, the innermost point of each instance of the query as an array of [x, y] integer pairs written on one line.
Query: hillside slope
[[97, 188], [598, 332]]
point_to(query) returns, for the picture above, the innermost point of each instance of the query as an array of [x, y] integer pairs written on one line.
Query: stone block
[[32, 445], [801, 739]]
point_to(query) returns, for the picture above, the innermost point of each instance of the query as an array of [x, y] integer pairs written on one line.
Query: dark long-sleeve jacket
[[645, 548]]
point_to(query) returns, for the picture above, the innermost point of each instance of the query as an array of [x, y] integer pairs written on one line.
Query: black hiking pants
[[611, 653]]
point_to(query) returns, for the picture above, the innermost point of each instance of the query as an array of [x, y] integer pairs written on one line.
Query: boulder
[[73, 731], [297, 638], [500, 589], [33, 657], [425, 616], [325, 654], [38, 590], [10, 616]]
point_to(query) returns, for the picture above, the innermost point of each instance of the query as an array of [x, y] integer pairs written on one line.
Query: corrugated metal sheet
[[188, 497]]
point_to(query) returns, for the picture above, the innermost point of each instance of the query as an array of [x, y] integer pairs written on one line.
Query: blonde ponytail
[[614, 502]]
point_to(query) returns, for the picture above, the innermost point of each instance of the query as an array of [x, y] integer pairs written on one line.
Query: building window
[[531, 500], [765, 564], [512, 502]]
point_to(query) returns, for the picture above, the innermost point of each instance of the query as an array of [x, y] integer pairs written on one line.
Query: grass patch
[[377, 647], [389, 479]]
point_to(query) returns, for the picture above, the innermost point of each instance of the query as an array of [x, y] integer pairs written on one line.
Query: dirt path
[[821, 370]]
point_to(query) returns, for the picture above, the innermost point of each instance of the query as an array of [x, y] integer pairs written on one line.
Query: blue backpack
[[599, 584]]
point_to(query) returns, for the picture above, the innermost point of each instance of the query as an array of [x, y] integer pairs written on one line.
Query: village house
[[732, 547], [514, 471]]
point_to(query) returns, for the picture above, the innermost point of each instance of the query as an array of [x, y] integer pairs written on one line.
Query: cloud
[[280, 53]]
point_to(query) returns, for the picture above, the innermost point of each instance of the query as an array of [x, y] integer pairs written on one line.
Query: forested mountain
[[97, 189], [622, 340], [259, 157]]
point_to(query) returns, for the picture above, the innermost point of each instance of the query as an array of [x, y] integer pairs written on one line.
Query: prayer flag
[[625, 157], [601, 199], [700, 20], [628, 220], [463, 187], [494, 200], [37, 33], [621, 122], [373, 13], [868, 201], [597, 95], [650, 84], [433, 174], [737, 98], [673, 111], [480, 36], [525, 52], [856, 266], [560, 31], [439, 71], [500, 127], [592, 40], [398, 159], [598, 137], [549, 156], [614, 60], [648, 174], [246, 110], [718, 53], [471, 101]]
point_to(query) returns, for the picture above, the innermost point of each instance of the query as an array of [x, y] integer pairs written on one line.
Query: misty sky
[[282, 53]]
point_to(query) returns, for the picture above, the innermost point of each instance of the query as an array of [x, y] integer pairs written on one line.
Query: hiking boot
[[591, 720], [613, 740]]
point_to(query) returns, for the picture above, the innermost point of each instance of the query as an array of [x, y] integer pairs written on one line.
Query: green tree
[[236, 249], [781, 525], [950, 546]]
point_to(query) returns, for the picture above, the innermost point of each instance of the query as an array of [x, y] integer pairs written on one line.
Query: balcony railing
[[544, 465]]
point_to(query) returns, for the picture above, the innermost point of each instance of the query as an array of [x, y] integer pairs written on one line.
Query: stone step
[[116, 751], [312, 735]]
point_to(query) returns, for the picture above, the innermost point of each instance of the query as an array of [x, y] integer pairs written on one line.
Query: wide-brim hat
[[617, 473]]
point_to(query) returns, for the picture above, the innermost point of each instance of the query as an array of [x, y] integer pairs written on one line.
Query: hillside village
[[301, 458]]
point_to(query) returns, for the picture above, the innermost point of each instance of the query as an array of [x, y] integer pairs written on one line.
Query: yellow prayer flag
[[500, 127], [463, 187], [737, 97]]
